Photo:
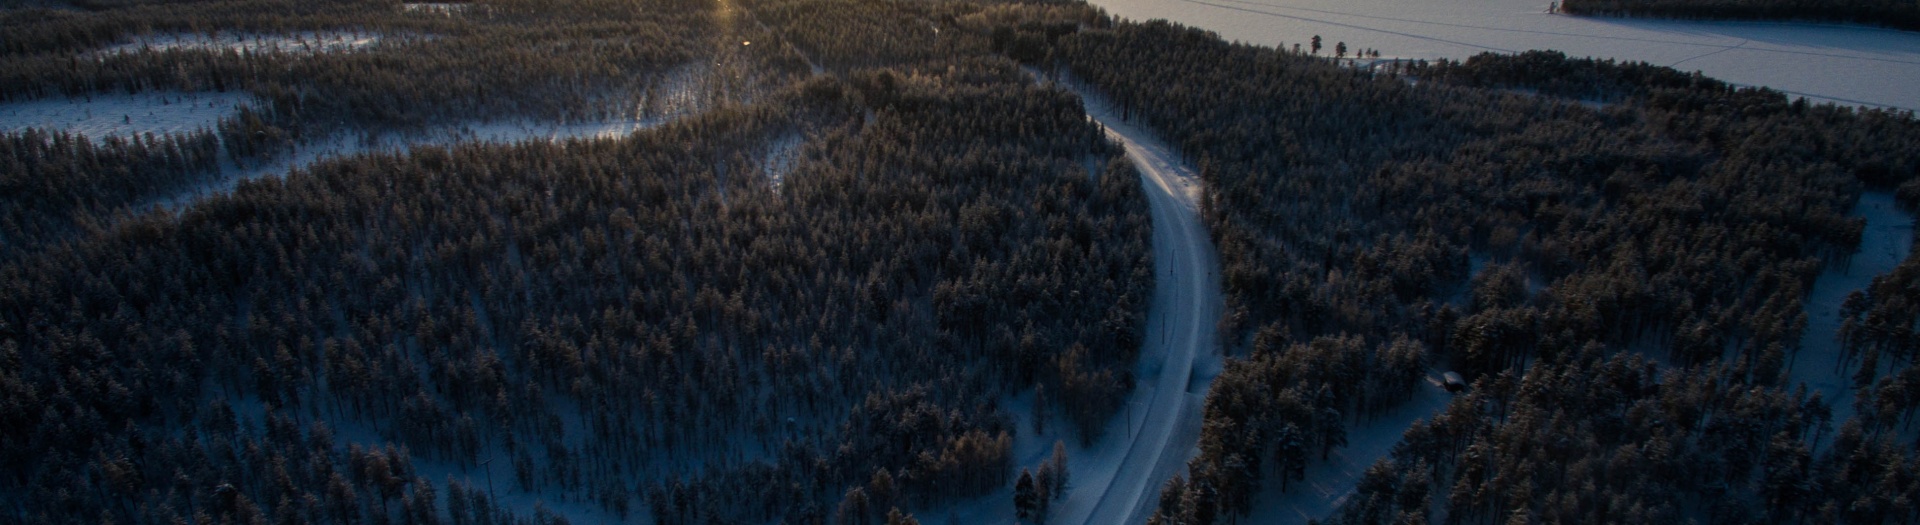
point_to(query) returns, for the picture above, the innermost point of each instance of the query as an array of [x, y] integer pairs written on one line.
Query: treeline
[[844, 35], [58, 184], [1878, 340], [1686, 218], [568, 61], [1891, 13]]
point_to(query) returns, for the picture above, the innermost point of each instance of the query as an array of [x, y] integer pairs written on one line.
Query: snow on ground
[[1328, 483], [1887, 240], [779, 157], [1823, 62], [439, 8], [99, 115], [346, 145], [251, 413], [301, 42]]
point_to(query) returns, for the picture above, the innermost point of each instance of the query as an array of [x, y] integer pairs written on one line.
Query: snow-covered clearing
[[1328, 483], [99, 115], [346, 145], [439, 8], [1887, 240], [1823, 62], [779, 157], [301, 42]]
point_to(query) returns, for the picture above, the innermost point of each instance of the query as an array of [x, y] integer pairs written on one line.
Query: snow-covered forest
[[879, 261], [1627, 346], [302, 86], [640, 328]]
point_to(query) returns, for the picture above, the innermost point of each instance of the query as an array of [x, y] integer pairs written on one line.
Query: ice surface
[[1823, 62], [99, 115]]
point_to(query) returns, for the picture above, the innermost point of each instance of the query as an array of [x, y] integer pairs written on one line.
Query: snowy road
[[1163, 419]]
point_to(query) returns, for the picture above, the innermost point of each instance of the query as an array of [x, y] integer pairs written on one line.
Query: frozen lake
[[1843, 64]]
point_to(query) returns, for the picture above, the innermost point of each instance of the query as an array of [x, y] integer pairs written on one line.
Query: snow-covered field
[[301, 42], [343, 145], [1887, 240], [99, 115], [1844, 64], [440, 8]]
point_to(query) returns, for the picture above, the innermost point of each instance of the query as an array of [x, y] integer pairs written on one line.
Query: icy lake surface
[[1836, 63]]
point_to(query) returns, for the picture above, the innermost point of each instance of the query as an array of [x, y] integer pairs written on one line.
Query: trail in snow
[[1117, 480]]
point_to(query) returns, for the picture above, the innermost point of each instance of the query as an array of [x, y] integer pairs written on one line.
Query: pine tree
[[1026, 498]]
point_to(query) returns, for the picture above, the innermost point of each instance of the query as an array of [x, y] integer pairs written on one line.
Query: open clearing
[[1823, 62], [1887, 240], [301, 42], [439, 8], [99, 115]]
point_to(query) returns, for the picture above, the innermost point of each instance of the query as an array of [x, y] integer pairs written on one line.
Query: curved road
[[1163, 418]]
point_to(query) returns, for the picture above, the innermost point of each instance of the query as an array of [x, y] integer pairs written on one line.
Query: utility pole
[[1129, 420], [488, 464]]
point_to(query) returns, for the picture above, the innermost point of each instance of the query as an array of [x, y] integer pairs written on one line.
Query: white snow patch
[[1823, 62], [346, 145], [438, 8], [1887, 241], [779, 156], [517, 131], [96, 116], [304, 42]]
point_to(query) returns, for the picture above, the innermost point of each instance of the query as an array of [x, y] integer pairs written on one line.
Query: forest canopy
[[1524, 220], [817, 285]]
